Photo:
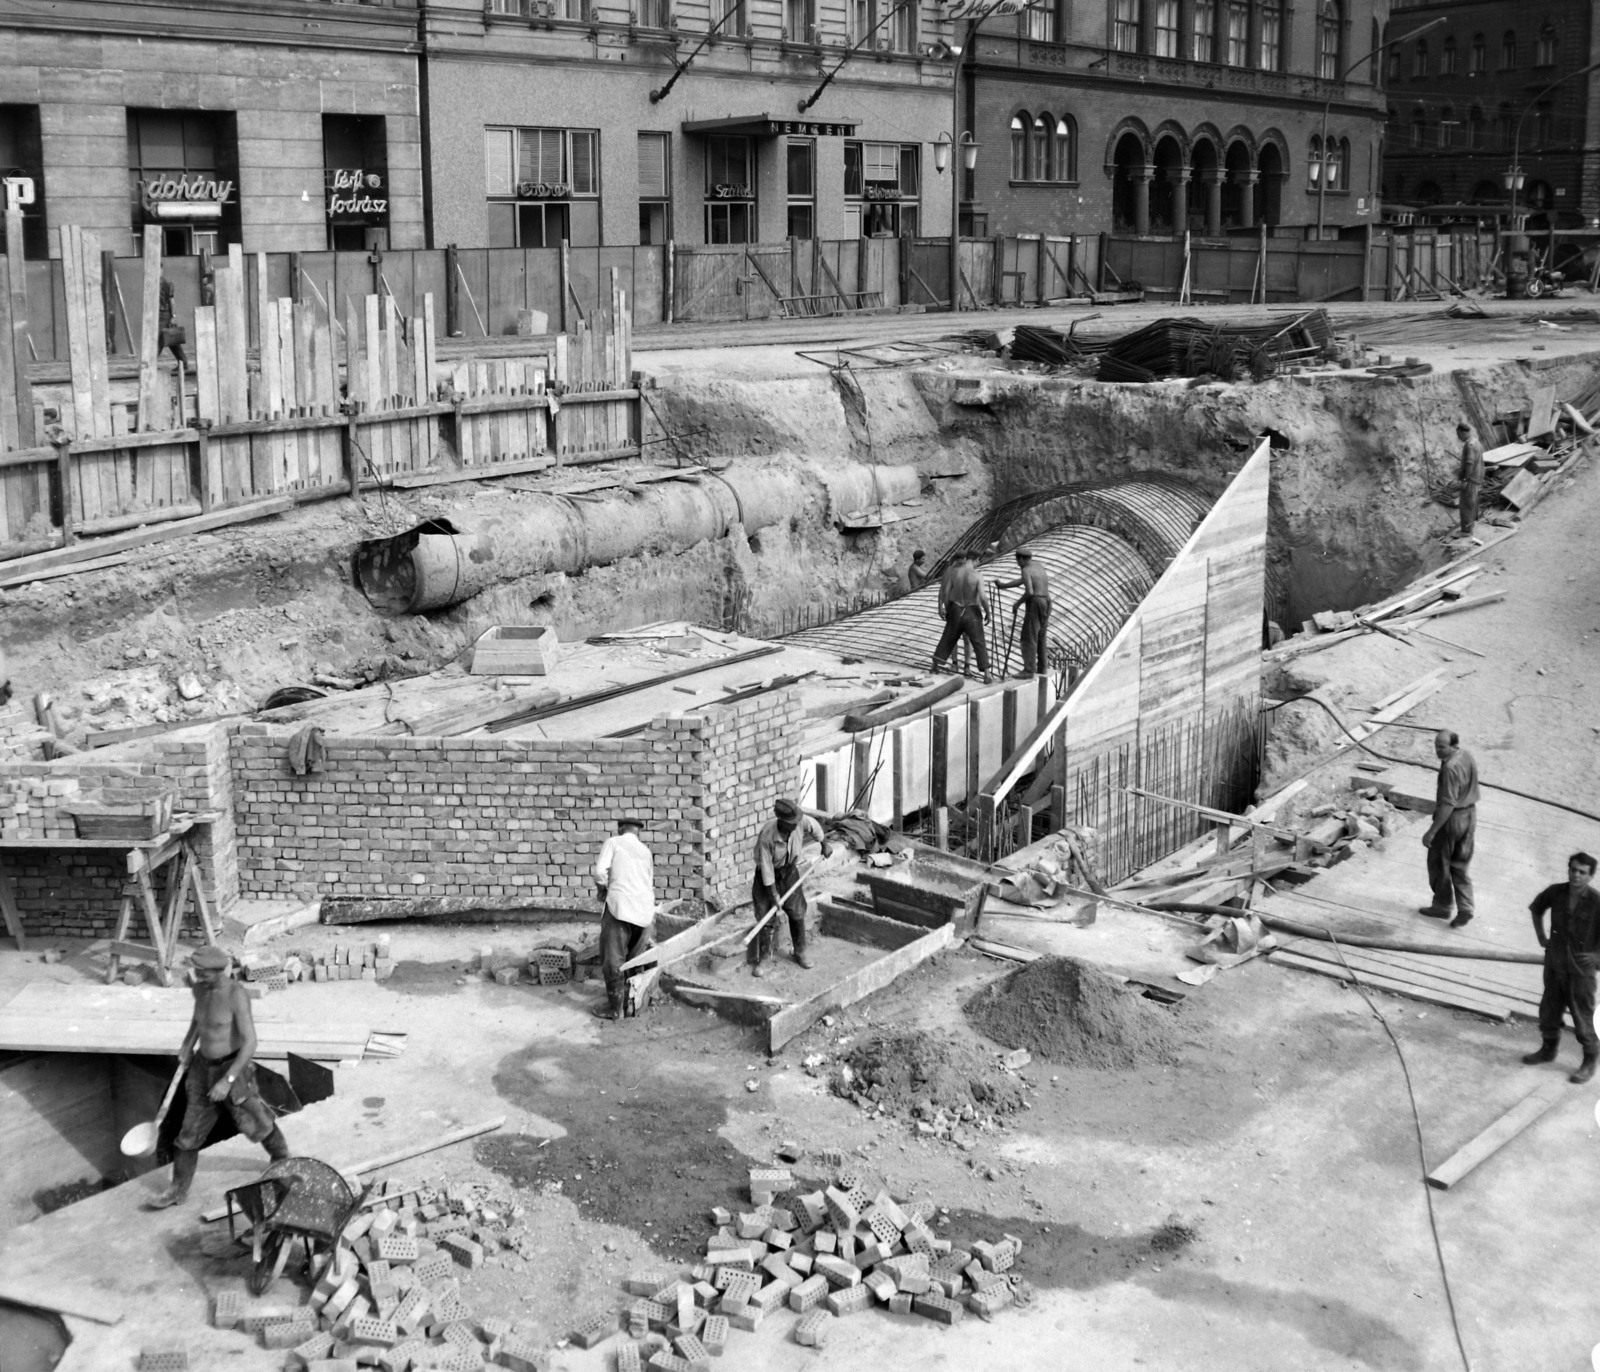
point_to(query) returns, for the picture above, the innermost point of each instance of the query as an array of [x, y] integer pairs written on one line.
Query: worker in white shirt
[[625, 875]]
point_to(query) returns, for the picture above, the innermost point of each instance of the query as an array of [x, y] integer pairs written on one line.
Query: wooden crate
[[129, 808], [926, 894], [515, 650]]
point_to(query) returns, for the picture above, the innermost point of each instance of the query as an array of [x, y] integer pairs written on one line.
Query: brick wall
[[752, 758]]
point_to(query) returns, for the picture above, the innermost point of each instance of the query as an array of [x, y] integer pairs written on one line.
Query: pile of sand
[[1066, 1011], [920, 1073]]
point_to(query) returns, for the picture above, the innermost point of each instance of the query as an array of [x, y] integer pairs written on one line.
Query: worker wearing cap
[[777, 881], [918, 574], [1035, 607], [218, 1051], [625, 876], [1471, 475], [963, 609]]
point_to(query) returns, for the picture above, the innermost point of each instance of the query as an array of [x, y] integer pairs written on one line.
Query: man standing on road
[[777, 880], [218, 1051], [1450, 836], [1571, 954], [1471, 475], [625, 876], [964, 609], [1035, 606]]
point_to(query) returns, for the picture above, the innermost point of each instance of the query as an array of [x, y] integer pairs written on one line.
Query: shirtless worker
[[963, 608], [777, 876], [1450, 836], [218, 1052], [1035, 606]]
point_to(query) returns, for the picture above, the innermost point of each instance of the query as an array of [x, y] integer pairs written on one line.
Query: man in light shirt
[[625, 873]]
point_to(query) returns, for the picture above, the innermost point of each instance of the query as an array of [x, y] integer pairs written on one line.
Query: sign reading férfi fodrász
[[348, 193]]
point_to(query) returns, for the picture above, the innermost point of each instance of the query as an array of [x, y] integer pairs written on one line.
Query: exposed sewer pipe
[[442, 562]]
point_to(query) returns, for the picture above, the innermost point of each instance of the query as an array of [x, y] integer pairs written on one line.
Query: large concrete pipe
[[864, 488], [445, 561]]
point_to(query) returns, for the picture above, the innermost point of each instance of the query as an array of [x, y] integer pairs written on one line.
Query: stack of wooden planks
[[48, 1017]]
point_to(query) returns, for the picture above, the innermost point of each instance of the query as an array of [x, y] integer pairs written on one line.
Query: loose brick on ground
[[714, 1334], [812, 1331]]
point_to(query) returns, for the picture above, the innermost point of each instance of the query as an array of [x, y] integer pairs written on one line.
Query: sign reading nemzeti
[[809, 128]]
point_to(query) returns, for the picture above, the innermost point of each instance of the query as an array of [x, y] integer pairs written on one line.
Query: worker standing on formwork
[[777, 882], [964, 609], [1471, 476], [1035, 606], [624, 874], [219, 1051], [1571, 955], [1451, 835]]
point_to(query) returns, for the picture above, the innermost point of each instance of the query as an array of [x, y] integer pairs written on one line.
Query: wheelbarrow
[[297, 1198]]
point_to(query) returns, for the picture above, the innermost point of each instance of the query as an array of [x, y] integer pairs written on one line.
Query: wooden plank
[[874, 977], [95, 331], [1494, 1009], [1529, 1109], [9, 437], [51, 1293], [153, 413], [679, 945], [909, 705], [77, 336], [861, 926], [430, 347], [16, 280], [372, 377], [738, 1007], [1420, 970]]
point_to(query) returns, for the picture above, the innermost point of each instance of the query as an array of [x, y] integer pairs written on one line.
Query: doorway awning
[[765, 126]]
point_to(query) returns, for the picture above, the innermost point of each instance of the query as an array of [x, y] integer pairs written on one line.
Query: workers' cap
[[211, 958], [786, 809], [1024, 554], [625, 820], [918, 555], [1462, 427]]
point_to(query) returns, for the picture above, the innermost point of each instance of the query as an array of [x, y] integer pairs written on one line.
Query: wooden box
[[137, 808], [515, 650], [929, 893]]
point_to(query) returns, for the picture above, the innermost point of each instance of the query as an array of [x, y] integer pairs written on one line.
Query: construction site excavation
[[883, 841]]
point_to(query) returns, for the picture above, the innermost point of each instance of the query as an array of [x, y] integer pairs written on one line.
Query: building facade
[[1160, 116], [1492, 87], [289, 126]]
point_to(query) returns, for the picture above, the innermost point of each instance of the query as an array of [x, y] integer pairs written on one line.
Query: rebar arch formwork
[[1103, 545]]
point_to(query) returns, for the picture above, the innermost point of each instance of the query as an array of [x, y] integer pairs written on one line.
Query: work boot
[[1545, 1052], [804, 958], [1585, 1068], [609, 1011], [184, 1162], [276, 1145], [1461, 921], [757, 970], [1431, 913]]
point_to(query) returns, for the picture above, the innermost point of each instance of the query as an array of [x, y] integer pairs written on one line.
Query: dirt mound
[[926, 1073], [1067, 1011]]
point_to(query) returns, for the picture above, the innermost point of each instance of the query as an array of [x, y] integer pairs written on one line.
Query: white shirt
[[627, 869]]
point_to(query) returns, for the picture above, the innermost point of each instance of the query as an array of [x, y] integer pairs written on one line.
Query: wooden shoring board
[[1530, 1108], [680, 945], [266, 452], [233, 388], [873, 977], [1439, 974], [153, 401], [737, 1007], [308, 456], [84, 498], [1491, 1008]]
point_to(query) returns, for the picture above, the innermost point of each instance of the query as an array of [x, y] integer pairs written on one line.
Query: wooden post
[[202, 428], [1008, 722], [941, 828], [64, 475], [898, 761], [1100, 267], [824, 796], [861, 772], [667, 267], [1024, 826], [1366, 260], [150, 387], [1038, 270], [974, 756], [1262, 265], [352, 455], [17, 284], [939, 759], [108, 296], [566, 281], [1058, 808]]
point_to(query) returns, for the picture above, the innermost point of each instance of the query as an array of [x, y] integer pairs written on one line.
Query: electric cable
[[1422, 1155]]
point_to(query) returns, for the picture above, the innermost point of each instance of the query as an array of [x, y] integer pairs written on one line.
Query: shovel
[[140, 1141]]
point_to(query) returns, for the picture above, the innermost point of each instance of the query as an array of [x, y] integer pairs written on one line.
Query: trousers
[[619, 942], [1567, 987], [794, 908], [1468, 502], [251, 1115], [1448, 857], [962, 622], [1035, 619]]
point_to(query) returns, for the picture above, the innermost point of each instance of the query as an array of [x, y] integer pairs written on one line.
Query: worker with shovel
[[1035, 607], [778, 882], [218, 1053], [1571, 955]]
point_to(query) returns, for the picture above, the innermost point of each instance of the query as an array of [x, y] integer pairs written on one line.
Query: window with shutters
[[543, 186], [655, 195]]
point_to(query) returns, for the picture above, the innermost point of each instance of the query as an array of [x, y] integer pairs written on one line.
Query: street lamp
[[965, 140], [941, 152], [1514, 178], [1322, 180]]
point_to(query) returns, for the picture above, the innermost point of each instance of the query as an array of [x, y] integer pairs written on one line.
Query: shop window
[[1125, 25], [543, 186], [730, 190], [1508, 50], [1269, 50], [1040, 23], [1166, 14], [1330, 23], [1203, 37], [1478, 56], [22, 155], [883, 189], [1238, 33], [1020, 124], [1447, 57], [355, 173], [183, 170], [1544, 53], [802, 174], [655, 189]]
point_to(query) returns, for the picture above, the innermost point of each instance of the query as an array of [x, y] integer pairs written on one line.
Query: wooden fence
[[289, 404]]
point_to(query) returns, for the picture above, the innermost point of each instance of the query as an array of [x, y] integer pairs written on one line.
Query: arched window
[[1544, 55], [1508, 51], [1039, 157], [1066, 158], [1419, 59], [1203, 39], [1166, 34], [1475, 127], [1478, 57], [1314, 161], [1447, 124], [1269, 50], [1125, 26], [1543, 126], [1333, 164], [1505, 125], [1330, 22], [1019, 146], [1447, 57], [1394, 65], [1419, 127]]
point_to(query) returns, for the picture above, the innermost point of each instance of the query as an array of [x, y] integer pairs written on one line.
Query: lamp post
[[1514, 178], [964, 141], [1322, 178]]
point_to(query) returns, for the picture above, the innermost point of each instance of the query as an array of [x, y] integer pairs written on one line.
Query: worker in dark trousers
[[1471, 475], [1450, 836], [964, 609], [624, 875], [1571, 954], [1035, 607], [777, 879]]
